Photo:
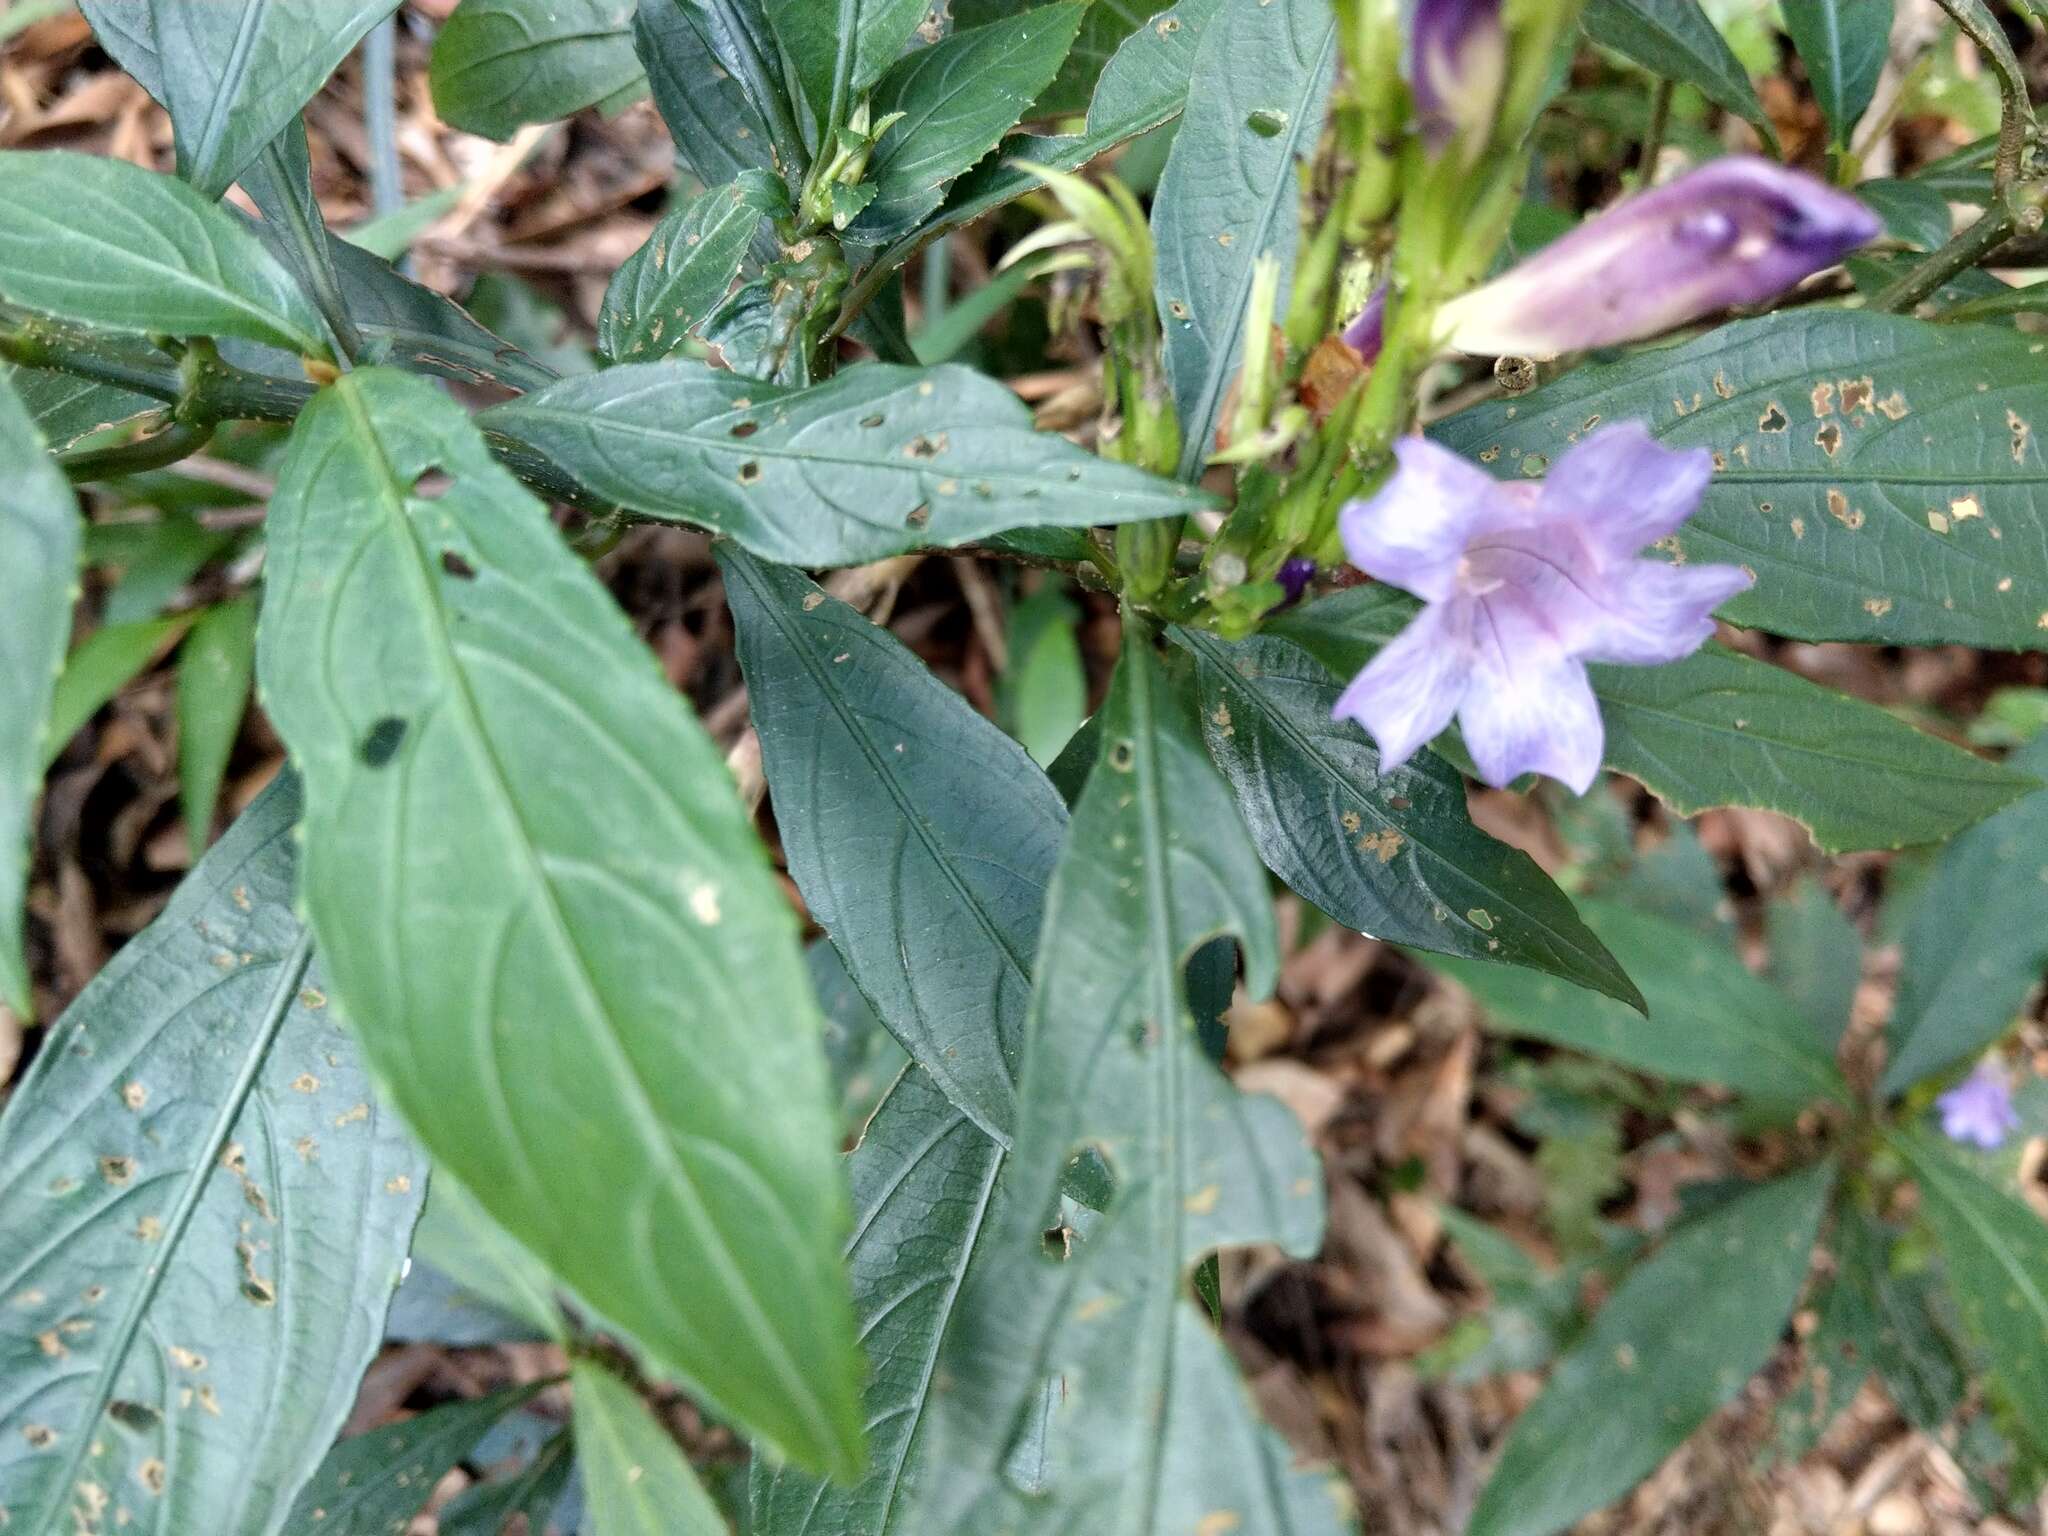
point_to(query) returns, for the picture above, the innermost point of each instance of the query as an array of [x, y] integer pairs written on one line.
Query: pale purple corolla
[[1978, 1110], [1524, 582], [1457, 66], [1736, 231]]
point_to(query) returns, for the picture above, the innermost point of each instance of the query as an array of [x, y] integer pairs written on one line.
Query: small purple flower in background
[[1457, 66], [1736, 231], [1294, 577], [1366, 333], [1978, 1110], [1524, 583]]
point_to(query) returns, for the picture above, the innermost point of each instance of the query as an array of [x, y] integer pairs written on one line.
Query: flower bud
[[1457, 67], [1366, 333], [1736, 231]]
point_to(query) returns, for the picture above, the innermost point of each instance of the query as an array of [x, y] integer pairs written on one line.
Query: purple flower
[[1978, 1110], [1457, 67], [1735, 231], [1524, 583], [1366, 333]]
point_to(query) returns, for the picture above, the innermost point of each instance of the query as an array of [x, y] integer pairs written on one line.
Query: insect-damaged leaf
[[203, 1212], [593, 1007]]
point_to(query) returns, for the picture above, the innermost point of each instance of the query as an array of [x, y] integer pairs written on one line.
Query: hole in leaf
[[872, 421], [1267, 124], [750, 473], [1123, 755], [380, 745], [919, 515], [430, 484], [745, 428], [1088, 1179], [131, 1415], [456, 566]]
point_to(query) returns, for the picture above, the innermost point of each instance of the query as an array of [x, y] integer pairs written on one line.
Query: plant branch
[[173, 441], [2016, 113], [1966, 250], [1653, 136]]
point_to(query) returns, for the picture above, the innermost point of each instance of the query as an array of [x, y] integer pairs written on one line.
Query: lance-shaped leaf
[[736, 34], [1147, 1434], [1883, 477], [1843, 44], [593, 1007], [66, 408], [1997, 1253], [1229, 195], [838, 48], [718, 132], [235, 75], [500, 64], [1977, 941], [1103, 31], [1393, 855], [688, 264], [1677, 39], [110, 244], [1144, 84], [1678, 1339], [920, 835], [405, 323], [926, 1189], [1710, 1020], [873, 462], [215, 667], [203, 1213], [635, 1476], [957, 98], [39, 542]]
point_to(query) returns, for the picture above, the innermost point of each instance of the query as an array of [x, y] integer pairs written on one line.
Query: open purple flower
[[1978, 1110], [1524, 583], [1736, 231]]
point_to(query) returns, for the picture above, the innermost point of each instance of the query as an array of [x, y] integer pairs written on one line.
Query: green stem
[[2016, 113], [1966, 250], [1653, 136], [176, 440]]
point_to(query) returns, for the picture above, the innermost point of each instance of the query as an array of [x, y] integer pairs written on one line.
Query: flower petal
[[1651, 613], [1625, 490], [1414, 531], [1530, 708], [1407, 694]]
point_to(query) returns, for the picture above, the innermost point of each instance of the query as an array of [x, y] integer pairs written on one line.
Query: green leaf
[[372, 1484], [634, 1474], [109, 244], [1843, 44], [1913, 211], [203, 1212], [686, 267], [1677, 40], [420, 330], [108, 660], [875, 461], [500, 64], [1230, 195], [1148, 1431], [1103, 31], [532, 1492], [920, 835], [235, 76], [67, 409], [39, 543], [1977, 940], [926, 1189], [1679, 1338], [1917, 515], [718, 131], [957, 97], [1394, 855], [736, 34], [157, 565], [597, 1015], [1144, 84], [1816, 958], [457, 1236], [1042, 696], [215, 667], [838, 48], [1997, 1253], [1710, 1020]]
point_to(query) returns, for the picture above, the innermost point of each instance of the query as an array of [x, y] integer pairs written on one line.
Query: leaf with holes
[[1976, 940], [1679, 1338], [1230, 195], [597, 1015], [1997, 1254], [635, 1477], [114, 246], [957, 98], [500, 64], [1394, 855], [1678, 40], [873, 462], [1843, 44], [1885, 478], [39, 543], [668, 286], [920, 835], [204, 1212], [1150, 1432], [1710, 1020]]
